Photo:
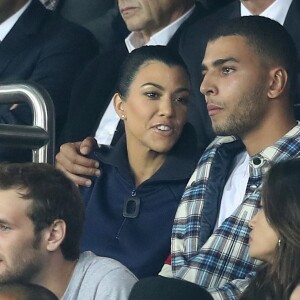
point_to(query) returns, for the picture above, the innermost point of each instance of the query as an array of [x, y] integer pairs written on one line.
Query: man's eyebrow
[[3, 221], [219, 62]]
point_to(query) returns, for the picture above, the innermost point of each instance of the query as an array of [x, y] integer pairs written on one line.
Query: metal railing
[[40, 136]]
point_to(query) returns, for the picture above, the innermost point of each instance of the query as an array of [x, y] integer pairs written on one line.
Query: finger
[[78, 180], [88, 145], [78, 165]]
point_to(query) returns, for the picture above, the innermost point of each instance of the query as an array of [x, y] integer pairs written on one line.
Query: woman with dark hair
[[130, 208], [275, 235]]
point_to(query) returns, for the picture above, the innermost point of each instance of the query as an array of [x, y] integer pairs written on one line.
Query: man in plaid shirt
[[249, 69]]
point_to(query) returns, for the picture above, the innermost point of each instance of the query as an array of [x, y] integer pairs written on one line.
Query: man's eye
[[227, 70], [4, 227]]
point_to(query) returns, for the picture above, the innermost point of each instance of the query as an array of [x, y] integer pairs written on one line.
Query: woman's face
[[155, 109], [263, 239]]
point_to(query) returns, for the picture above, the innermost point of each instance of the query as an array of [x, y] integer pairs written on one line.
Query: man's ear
[[278, 82], [119, 106], [55, 235]]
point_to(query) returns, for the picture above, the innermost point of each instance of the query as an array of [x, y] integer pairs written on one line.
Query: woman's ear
[[278, 82], [119, 105], [55, 235]]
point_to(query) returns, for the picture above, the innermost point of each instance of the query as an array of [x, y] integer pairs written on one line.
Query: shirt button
[[257, 161], [253, 187]]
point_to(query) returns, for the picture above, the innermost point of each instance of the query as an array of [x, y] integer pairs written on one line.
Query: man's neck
[[10, 10], [256, 7], [269, 132], [147, 34], [57, 276]]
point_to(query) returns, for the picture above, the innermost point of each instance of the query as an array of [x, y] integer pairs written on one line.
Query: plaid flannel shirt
[[50, 4], [218, 260]]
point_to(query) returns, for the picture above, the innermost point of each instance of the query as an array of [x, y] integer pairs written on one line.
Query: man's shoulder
[[97, 277], [39, 21], [200, 27], [95, 266]]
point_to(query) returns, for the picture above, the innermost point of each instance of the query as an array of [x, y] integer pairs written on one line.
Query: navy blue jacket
[[141, 243]]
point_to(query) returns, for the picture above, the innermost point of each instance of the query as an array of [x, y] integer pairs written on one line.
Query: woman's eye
[[182, 100], [152, 95]]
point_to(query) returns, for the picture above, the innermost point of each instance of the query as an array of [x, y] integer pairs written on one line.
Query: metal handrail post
[[43, 115]]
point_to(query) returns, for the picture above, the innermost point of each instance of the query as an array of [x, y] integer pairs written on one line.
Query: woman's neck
[[144, 164]]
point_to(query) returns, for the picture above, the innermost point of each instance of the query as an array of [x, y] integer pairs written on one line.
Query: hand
[[72, 161]]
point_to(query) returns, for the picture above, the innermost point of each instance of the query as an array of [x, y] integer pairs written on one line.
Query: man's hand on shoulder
[[72, 161]]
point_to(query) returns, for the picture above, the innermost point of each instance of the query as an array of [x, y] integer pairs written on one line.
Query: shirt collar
[[276, 11], [179, 165], [287, 146], [8, 24], [135, 40]]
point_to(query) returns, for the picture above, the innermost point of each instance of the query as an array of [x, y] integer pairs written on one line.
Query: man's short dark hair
[[270, 40], [53, 197]]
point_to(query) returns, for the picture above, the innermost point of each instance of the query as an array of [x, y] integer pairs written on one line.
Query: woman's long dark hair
[[281, 201]]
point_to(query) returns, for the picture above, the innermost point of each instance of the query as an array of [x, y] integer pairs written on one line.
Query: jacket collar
[[179, 165]]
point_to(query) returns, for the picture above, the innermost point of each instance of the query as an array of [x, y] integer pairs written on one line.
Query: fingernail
[[85, 150], [97, 173], [88, 183], [97, 164]]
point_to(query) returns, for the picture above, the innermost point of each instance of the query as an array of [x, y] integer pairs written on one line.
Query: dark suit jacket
[[94, 89], [48, 50], [101, 17], [192, 48]]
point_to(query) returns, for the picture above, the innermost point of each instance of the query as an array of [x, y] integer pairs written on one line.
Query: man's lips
[[213, 109], [127, 10]]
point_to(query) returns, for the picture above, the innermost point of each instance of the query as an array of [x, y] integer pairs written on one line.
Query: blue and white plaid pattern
[[220, 262], [50, 4]]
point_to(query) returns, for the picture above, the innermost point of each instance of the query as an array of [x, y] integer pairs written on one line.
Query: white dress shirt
[[276, 11], [110, 119]]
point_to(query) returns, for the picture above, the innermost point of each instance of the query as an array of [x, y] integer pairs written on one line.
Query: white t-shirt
[[99, 278], [235, 187]]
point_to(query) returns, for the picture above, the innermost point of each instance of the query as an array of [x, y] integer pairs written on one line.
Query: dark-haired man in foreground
[[41, 220]]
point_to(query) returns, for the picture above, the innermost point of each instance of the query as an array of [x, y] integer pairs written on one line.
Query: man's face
[[21, 257], [150, 16], [235, 86]]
